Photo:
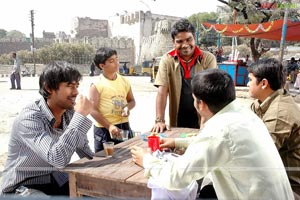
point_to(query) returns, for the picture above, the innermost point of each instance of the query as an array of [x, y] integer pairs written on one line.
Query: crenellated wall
[[9, 45], [137, 36]]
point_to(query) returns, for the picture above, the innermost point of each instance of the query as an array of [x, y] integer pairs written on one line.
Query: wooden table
[[117, 176]]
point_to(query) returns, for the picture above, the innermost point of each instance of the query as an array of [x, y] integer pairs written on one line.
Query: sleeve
[[279, 129], [127, 84], [35, 134], [162, 74], [210, 61], [199, 158], [183, 142]]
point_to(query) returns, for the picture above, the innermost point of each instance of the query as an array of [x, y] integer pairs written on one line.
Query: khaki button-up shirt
[[169, 75], [281, 114]]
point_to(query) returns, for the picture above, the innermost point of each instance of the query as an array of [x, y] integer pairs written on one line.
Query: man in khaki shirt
[[176, 70], [280, 114]]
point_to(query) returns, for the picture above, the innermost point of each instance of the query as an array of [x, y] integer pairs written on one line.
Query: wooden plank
[[72, 186], [92, 186]]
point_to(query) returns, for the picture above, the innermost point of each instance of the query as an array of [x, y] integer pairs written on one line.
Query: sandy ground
[[141, 118]]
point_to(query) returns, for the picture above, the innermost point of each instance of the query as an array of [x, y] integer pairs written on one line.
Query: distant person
[[47, 133], [219, 54], [175, 72], [112, 99], [278, 110], [248, 61], [152, 70], [293, 69], [15, 76], [125, 68], [242, 160], [92, 69]]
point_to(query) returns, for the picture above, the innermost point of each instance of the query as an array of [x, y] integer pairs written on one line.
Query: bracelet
[[158, 119]]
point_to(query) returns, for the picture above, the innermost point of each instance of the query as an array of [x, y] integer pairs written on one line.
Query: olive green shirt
[[280, 113], [169, 75]]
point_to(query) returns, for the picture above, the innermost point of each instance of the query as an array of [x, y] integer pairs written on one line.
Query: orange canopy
[[270, 30]]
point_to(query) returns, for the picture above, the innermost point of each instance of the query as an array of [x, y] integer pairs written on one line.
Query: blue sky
[[57, 15]]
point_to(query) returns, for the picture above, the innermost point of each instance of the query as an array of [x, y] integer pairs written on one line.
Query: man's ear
[[202, 105], [101, 66], [265, 83], [47, 89]]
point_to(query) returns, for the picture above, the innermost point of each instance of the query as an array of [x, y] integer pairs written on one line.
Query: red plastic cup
[[153, 142]]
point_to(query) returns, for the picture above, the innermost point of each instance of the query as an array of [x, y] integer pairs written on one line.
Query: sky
[[58, 15]]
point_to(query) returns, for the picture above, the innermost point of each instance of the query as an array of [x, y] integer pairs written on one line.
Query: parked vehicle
[[155, 68], [26, 72], [146, 68]]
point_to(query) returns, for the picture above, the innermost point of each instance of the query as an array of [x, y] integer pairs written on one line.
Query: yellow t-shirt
[[113, 95]]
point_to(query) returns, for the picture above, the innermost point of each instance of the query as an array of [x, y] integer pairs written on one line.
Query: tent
[[269, 30]]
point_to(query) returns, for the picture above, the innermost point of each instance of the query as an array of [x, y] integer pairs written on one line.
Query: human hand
[[137, 154], [167, 143], [125, 112], [114, 132], [159, 127], [83, 105]]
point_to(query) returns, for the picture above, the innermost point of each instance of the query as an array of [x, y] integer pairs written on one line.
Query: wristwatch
[[158, 119]]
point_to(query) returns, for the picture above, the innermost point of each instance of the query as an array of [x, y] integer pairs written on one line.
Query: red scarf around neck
[[187, 66]]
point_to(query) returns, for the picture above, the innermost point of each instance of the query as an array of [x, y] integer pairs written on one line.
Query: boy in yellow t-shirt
[[112, 99]]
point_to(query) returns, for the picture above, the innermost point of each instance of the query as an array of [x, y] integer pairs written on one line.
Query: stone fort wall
[[9, 45], [151, 33]]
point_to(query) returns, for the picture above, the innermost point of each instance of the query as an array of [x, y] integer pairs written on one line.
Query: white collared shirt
[[237, 149]]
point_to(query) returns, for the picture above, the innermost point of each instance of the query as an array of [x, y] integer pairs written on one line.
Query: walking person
[[47, 133], [175, 72], [15, 76], [112, 99], [92, 69]]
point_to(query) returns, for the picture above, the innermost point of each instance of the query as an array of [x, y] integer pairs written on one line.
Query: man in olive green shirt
[[280, 114], [176, 70]]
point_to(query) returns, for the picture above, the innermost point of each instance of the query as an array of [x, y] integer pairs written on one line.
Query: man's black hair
[[183, 25], [56, 73], [215, 87], [103, 54], [270, 69]]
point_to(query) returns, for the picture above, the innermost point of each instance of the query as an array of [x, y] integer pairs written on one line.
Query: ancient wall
[[159, 42], [124, 47], [90, 27], [151, 33], [9, 45]]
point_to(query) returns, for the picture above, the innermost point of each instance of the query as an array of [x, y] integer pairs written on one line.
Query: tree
[[204, 38], [15, 34], [2, 33], [252, 11], [72, 53]]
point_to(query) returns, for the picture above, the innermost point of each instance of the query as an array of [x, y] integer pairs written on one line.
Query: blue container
[[239, 74]]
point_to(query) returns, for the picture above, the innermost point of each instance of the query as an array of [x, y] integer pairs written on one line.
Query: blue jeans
[[102, 135]]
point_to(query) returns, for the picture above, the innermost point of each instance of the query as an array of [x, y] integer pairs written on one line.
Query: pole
[[32, 40], [219, 35], [283, 34]]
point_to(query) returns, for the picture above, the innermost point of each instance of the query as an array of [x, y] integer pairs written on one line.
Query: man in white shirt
[[15, 76], [233, 145]]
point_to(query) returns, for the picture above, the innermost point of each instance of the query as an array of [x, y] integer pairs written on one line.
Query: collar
[[42, 104], [261, 107], [174, 53]]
